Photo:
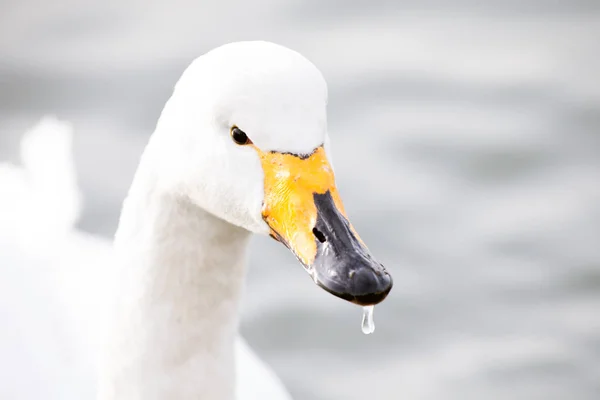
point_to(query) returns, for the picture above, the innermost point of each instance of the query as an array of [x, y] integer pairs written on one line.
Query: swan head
[[244, 137]]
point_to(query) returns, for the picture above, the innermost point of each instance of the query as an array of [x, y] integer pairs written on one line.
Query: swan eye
[[239, 137]]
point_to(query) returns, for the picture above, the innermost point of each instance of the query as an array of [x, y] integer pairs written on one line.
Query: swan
[[240, 148]]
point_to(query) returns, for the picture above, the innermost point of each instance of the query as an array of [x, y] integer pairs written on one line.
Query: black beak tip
[[370, 287], [365, 287], [343, 265]]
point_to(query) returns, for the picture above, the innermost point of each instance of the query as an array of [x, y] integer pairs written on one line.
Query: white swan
[[240, 147]]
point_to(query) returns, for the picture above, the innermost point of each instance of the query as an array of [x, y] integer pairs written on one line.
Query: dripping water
[[368, 326]]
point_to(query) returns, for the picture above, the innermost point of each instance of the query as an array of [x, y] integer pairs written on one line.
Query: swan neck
[[178, 285]]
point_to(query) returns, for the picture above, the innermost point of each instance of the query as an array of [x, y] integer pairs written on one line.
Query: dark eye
[[239, 136]]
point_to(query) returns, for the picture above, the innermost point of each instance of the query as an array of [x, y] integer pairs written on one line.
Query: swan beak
[[304, 211]]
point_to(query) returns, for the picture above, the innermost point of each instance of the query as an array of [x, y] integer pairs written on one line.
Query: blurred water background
[[467, 148]]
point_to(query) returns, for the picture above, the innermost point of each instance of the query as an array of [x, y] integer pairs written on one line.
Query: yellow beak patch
[[289, 207]]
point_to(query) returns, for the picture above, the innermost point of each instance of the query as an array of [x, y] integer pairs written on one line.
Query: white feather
[[52, 290], [157, 317]]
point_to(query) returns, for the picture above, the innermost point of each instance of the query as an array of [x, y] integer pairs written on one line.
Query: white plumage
[[156, 318], [54, 281]]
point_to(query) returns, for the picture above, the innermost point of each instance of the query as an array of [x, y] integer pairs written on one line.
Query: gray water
[[467, 149]]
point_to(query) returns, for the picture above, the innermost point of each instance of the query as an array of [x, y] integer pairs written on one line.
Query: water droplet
[[368, 326]]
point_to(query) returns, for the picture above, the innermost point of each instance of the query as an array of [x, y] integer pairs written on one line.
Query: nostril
[[319, 235]]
